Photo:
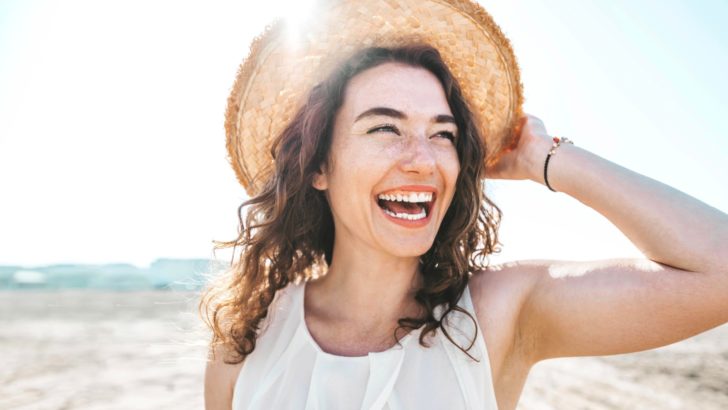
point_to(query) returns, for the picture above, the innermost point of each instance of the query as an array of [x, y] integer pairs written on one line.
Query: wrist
[[536, 157], [558, 142]]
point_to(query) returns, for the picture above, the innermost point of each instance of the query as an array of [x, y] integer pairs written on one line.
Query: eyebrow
[[391, 112]]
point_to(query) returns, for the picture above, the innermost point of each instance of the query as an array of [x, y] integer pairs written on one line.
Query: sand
[[143, 350]]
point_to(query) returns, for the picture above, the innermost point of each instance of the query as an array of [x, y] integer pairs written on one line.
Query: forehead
[[413, 90]]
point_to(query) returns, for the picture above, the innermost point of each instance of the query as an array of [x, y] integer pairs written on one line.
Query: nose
[[419, 156]]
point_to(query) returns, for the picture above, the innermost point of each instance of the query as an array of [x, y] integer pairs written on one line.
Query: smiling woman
[[363, 279], [364, 194]]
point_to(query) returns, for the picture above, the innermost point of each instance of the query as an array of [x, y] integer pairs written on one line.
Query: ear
[[320, 181]]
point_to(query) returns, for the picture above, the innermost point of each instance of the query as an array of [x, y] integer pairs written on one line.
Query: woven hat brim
[[282, 67]]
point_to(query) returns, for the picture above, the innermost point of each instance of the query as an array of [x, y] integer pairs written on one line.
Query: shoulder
[[499, 294], [220, 378], [506, 278], [505, 287]]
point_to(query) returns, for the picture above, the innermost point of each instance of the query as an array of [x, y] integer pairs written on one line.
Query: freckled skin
[[367, 161]]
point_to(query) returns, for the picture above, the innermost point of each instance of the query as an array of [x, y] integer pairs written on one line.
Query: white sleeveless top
[[288, 370]]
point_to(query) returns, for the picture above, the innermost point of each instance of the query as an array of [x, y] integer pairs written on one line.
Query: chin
[[412, 251]]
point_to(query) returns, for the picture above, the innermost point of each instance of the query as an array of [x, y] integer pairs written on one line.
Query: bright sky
[[112, 138]]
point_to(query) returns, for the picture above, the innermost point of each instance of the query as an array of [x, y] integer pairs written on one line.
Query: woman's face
[[393, 163]]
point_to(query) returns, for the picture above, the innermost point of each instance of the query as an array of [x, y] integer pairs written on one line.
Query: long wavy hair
[[286, 232]]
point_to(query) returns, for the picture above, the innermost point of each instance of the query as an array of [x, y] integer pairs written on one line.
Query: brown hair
[[287, 233]]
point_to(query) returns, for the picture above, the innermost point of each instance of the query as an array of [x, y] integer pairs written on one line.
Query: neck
[[367, 289]]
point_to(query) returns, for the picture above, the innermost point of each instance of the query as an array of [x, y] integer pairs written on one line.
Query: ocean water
[[162, 274]]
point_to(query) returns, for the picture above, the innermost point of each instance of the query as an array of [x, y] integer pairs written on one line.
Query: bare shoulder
[[499, 293], [505, 279], [220, 380]]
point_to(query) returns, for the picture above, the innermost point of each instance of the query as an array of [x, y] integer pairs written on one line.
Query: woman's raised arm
[[621, 305]]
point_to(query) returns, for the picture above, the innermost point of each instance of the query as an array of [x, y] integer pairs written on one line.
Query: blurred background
[[114, 183]]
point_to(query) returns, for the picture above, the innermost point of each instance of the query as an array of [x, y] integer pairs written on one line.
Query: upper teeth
[[411, 197]]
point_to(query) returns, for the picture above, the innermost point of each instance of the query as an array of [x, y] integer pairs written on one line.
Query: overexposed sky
[[112, 145]]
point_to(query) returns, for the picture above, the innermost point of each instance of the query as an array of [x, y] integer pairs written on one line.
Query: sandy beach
[[144, 350]]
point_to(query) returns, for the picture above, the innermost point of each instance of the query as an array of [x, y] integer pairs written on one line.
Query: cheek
[[355, 174], [450, 164], [371, 157], [450, 169]]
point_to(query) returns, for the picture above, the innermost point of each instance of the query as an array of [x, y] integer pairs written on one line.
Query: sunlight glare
[[296, 14]]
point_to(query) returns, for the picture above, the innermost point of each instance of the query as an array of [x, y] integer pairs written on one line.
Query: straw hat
[[283, 66]]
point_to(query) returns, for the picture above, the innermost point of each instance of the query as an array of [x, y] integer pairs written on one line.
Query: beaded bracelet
[[557, 142]]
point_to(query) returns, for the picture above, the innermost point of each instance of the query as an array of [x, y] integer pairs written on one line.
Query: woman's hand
[[525, 161]]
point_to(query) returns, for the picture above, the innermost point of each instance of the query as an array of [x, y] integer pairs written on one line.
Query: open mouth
[[413, 206]]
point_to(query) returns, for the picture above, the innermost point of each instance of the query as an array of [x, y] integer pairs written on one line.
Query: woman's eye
[[385, 128], [447, 134]]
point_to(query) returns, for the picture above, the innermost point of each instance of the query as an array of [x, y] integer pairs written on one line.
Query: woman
[[373, 207]]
